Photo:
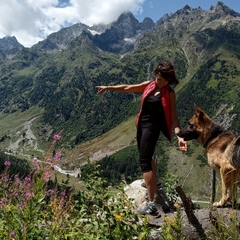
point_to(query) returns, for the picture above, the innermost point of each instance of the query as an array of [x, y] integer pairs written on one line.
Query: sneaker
[[149, 209]]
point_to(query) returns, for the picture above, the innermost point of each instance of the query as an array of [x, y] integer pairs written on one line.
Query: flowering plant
[[38, 207]]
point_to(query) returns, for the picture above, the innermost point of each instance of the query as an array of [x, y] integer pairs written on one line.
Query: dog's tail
[[235, 161]]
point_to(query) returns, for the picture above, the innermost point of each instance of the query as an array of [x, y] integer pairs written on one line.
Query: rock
[[203, 224], [138, 193]]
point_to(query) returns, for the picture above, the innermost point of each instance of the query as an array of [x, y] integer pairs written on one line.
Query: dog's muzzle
[[187, 135]]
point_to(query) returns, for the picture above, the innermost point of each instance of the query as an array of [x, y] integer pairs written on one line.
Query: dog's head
[[196, 125]]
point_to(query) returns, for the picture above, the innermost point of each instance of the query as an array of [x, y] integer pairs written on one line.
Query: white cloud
[[31, 21], [150, 4]]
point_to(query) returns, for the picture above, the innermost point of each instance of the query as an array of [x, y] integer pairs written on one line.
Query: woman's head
[[166, 70]]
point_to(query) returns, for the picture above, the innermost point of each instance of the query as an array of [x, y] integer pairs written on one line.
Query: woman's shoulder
[[172, 93], [145, 83]]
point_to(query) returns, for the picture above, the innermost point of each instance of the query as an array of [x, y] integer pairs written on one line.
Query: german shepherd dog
[[222, 150]]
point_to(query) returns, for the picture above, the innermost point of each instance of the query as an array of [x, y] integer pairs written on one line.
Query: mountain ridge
[[60, 73]]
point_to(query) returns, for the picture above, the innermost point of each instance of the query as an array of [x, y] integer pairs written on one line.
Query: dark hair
[[167, 71]]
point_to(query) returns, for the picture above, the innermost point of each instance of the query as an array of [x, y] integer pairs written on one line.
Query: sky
[[31, 21]]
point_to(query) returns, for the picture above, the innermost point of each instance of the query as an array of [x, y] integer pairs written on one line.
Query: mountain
[[118, 37], [9, 47], [60, 40], [50, 87], [122, 34]]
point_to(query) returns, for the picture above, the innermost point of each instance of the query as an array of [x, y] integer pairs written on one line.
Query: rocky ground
[[196, 223]]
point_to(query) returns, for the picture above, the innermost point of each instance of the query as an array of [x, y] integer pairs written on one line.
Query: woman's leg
[[154, 169], [147, 139], [150, 179]]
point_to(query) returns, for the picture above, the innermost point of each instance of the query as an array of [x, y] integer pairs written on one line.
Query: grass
[[119, 137], [194, 178]]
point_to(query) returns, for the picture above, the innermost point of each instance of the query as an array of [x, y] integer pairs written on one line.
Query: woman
[[157, 114]]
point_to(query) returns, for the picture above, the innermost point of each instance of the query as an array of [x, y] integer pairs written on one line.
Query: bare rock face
[[138, 193]]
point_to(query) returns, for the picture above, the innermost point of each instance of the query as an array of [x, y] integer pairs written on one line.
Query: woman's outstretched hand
[[182, 144], [101, 89]]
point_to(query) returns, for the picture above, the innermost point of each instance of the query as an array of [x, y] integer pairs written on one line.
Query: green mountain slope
[[203, 46]]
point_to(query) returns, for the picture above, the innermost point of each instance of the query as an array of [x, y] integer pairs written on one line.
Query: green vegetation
[[20, 167], [123, 165], [172, 227], [38, 206], [49, 92], [63, 83]]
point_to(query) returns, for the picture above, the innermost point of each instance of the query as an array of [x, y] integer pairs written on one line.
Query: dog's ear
[[201, 115], [198, 109]]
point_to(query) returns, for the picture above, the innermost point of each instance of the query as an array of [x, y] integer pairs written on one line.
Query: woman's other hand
[[182, 144], [102, 89]]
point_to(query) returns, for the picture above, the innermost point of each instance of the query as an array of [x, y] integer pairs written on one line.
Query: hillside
[[50, 87]]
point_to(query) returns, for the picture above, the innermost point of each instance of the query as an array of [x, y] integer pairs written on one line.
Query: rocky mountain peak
[[127, 16], [123, 33], [8, 43], [147, 24], [61, 39], [9, 47], [126, 24], [187, 11], [222, 9], [186, 8]]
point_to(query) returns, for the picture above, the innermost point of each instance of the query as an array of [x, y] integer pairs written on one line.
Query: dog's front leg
[[233, 187], [225, 177]]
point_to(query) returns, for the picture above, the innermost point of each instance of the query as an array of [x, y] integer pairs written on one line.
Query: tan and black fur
[[222, 150]]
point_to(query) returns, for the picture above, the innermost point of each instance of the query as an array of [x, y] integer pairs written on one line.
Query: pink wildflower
[[63, 193], [37, 167], [57, 137], [27, 179], [12, 234], [29, 195], [47, 176], [3, 200], [36, 163], [35, 160], [7, 163], [51, 191], [57, 156]]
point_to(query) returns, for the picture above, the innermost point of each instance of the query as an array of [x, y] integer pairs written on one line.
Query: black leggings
[[147, 137]]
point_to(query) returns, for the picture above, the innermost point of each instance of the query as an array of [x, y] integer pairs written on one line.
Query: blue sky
[[31, 21], [155, 9]]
